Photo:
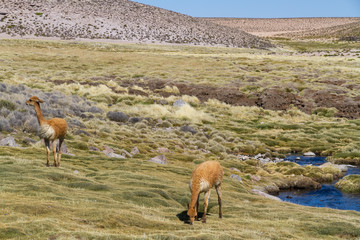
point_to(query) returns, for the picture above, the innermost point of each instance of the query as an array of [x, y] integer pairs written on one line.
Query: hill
[[116, 19], [347, 32], [296, 27]]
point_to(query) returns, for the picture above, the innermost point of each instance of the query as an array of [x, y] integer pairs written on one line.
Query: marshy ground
[[287, 109]]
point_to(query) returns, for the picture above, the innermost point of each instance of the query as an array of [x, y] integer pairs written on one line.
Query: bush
[[325, 112], [4, 125], [8, 105], [117, 116]]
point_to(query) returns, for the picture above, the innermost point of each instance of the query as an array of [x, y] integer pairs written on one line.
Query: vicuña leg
[[197, 208], [61, 140], [218, 190], [54, 151], [47, 145], [206, 201]]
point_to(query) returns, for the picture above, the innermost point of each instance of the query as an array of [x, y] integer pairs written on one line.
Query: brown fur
[[204, 177], [51, 130]]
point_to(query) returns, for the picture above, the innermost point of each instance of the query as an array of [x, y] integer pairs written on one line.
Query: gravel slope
[[116, 19]]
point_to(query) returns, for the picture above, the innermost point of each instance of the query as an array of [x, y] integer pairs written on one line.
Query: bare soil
[[275, 98]]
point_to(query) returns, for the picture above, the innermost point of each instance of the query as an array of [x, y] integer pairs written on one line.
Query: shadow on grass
[[185, 218]]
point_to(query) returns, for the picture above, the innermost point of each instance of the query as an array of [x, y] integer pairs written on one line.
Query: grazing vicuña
[[204, 177]]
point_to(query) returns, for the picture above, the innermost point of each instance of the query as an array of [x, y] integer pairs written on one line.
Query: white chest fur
[[46, 131], [204, 185]]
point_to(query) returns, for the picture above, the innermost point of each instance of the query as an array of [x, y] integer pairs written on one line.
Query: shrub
[[8, 105], [4, 125], [117, 116], [325, 112]]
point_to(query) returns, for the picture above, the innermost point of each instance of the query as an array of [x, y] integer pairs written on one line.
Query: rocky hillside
[[286, 26], [116, 19]]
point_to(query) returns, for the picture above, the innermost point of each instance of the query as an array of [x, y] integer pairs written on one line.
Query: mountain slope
[[286, 26], [116, 19], [349, 31]]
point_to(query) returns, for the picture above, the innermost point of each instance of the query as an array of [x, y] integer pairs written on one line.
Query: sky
[[260, 8]]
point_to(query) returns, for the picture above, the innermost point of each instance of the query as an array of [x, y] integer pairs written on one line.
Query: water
[[328, 196]]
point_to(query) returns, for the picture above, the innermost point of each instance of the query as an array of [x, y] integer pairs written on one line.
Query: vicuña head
[[50, 130], [204, 177]]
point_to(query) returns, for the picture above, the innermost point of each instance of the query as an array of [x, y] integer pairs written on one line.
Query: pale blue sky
[[260, 8]]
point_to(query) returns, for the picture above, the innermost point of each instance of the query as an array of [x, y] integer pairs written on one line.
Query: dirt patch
[[271, 98]]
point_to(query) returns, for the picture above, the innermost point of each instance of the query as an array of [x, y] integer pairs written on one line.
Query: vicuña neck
[[39, 115], [194, 196]]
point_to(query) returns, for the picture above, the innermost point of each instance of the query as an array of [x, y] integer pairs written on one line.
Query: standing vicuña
[[50, 130], [204, 177]]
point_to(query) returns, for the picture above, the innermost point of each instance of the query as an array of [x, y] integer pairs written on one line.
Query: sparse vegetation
[[93, 196]]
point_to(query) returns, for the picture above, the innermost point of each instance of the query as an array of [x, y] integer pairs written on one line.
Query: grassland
[[92, 196]]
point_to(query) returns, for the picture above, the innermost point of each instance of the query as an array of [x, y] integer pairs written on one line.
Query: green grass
[[92, 196]]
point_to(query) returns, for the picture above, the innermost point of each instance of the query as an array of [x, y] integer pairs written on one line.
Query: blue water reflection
[[328, 196]]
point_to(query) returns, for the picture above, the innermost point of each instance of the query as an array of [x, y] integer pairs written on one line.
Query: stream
[[327, 196]]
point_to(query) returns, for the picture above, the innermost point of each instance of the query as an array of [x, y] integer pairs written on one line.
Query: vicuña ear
[[188, 205], [40, 101]]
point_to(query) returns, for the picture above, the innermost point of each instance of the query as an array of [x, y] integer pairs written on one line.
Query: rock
[[64, 148], [163, 150], [126, 153], [76, 172], [134, 120], [243, 157], [260, 193], [108, 150], [159, 159], [162, 102], [114, 155], [134, 151], [309, 154], [188, 129], [341, 167], [255, 178], [94, 109], [95, 149], [79, 131], [179, 103], [29, 141], [110, 153], [8, 141], [298, 158], [235, 169], [236, 177], [74, 122], [117, 116], [272, 189]]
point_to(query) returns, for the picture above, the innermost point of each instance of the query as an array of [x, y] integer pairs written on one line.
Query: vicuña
[[50, 130], [204, 177]]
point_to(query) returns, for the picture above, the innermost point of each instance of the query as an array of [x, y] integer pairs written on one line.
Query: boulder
[[236, 177], [309, 154], [260, 193], [134, 151], [272, 189], [179, 103], [8, 141], [188, 129], [234, 169], [163, 150], [341, 167], [95, 149], [110, 153], [161, 159]]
